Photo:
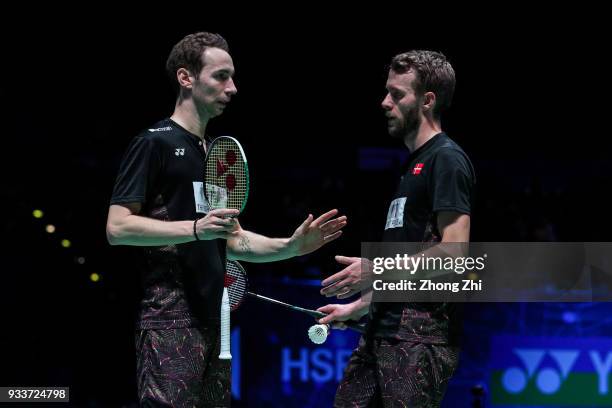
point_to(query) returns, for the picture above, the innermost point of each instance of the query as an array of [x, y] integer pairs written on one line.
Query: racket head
[[226, 175], [237, 284]]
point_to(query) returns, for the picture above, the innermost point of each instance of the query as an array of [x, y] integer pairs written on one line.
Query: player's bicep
[[451, 183], [138, 174], [124, 209], [117, 213], [454, 226]]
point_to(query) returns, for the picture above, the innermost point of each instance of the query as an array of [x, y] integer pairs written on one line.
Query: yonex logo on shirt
[[179, 152], [417, 169]]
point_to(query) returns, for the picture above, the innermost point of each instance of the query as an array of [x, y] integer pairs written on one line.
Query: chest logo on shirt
[[395, 216], [161, 129], [179, 152], [417, 169]]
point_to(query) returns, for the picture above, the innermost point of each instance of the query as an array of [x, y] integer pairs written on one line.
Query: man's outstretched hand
[[312, 235], [350, 280]]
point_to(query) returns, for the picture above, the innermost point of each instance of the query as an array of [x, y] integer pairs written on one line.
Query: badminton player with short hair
[[410, 350], [157, 203]]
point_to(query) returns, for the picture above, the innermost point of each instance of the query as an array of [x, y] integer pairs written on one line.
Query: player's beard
[[409, 124]]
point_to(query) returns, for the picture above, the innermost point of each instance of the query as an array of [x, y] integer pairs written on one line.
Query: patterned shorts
[[180, 368], [393, 373]]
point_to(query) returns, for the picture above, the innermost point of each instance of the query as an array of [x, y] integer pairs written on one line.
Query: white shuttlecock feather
[[318, 333]]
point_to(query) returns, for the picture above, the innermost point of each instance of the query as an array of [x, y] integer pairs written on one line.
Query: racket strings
[[226, 176], [237, 285]]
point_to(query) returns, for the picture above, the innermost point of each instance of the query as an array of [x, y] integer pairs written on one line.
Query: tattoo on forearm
[[244, 244]]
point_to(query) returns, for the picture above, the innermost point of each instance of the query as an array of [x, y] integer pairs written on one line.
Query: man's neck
[[428, 129], [186, 115]]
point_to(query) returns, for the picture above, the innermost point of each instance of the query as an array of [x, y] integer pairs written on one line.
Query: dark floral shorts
[[180, 368], [394, 373]]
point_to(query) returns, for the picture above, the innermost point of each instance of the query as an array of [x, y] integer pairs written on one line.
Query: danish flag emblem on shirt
[[417, 169]]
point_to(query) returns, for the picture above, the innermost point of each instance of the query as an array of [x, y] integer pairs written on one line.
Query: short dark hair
[[187, 53], [433, 74]]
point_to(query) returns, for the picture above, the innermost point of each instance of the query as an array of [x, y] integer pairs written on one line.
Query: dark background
[[74, 91]]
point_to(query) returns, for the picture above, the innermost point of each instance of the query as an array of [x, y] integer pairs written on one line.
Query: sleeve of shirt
[[451, 184], [138, 172]]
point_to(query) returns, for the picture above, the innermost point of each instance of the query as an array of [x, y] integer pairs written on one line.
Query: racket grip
[[353, 325], [225, 327]]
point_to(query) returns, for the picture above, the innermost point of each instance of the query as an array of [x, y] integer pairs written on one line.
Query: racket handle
[[225, 327], [353, 325]]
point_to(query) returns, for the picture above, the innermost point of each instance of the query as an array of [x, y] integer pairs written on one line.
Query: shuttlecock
[[318, 333]]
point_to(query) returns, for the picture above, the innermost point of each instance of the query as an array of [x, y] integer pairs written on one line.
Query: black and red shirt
[[439, 177]]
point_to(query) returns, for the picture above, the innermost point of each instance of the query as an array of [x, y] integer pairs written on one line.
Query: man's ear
[[184, 78], [429, 101]]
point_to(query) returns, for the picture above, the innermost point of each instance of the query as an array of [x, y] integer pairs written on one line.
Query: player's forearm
[[455, 244], [142, 231], [361, 306], [250, 247]]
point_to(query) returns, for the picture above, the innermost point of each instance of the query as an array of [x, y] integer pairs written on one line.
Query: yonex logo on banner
[[551, 371], [547, 380]]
